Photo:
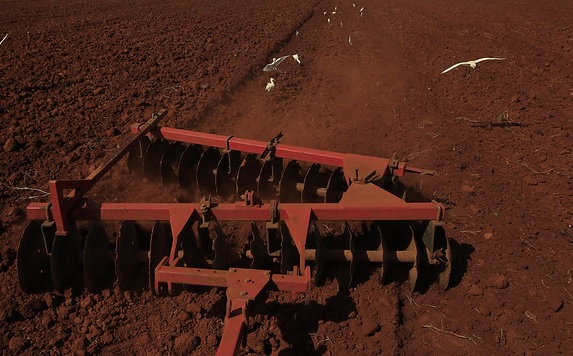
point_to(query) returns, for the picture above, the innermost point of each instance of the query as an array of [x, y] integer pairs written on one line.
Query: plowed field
[[74, 75]]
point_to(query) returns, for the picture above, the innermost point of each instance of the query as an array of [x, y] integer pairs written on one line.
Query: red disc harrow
[[306, 208]]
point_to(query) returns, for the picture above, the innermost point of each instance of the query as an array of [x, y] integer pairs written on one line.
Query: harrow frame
[[363, 200]]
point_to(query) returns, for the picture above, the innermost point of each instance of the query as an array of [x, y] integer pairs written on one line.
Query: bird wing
[[454, 66], [276, 61], [488, 59]]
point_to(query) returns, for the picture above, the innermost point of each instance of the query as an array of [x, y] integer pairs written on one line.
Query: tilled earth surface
[[74, 76]]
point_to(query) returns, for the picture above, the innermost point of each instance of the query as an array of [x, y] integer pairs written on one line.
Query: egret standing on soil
[[270, 85]]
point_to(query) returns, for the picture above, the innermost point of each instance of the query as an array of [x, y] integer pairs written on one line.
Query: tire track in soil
[[225, 97]]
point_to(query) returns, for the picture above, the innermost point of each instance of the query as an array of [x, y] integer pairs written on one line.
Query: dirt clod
[[475, 290], [17, 344], [10, 145], [498, 282], [182, 316], [8, 254], [554, 301], [107, 337], [87, 302], [63, 312], [370, 327], [186, 343], [31, 307]]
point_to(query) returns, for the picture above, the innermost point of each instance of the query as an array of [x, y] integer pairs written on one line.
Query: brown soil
[[73, 76]]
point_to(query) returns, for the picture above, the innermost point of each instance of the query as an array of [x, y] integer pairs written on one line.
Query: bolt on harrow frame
[[186, 245]]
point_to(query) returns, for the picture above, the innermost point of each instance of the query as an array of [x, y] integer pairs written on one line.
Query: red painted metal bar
[[58, 208], [220, 278], [191, 276], [281, 150], [233, 332], [292, 282], [252, 146], [223, 212]]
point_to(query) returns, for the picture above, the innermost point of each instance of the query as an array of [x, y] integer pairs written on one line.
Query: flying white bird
[[270, 85], [275, 63], [472, 64]]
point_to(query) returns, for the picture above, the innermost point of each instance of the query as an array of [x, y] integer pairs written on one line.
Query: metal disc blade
[[64, 260], [413, 273], [167, 164], [336, 186], [288, 191], [187, 171], [289, 253], [269, 178], [160, 245], [135, 156], [189, 241], [127, 248], [315, 183], [257, 247], [444, 277], [226, 177], [95, 256], [152, 160], [220, 247], [321, 251], [385, 258], [311, 184], [354, 252], [206, 170], [33, 262], [247, 174]]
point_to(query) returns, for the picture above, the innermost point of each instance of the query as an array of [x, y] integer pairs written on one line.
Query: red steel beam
[[330, 158], [235, 326], [222, 278], [252, 146], [320, 211]]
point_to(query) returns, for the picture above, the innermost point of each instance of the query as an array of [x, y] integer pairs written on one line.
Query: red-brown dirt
[[74, 75]]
